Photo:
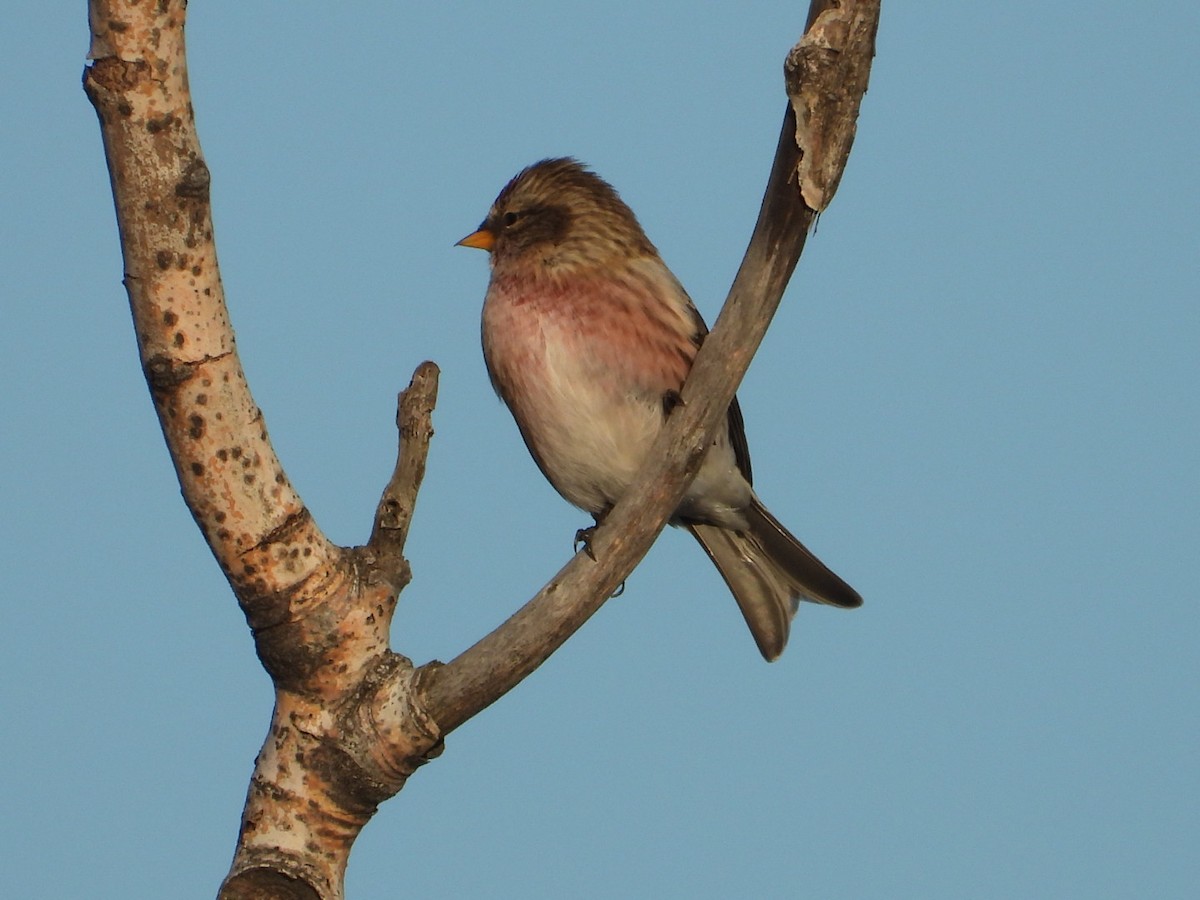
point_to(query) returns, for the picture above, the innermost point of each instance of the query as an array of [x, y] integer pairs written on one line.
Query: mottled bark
[[353, 719]]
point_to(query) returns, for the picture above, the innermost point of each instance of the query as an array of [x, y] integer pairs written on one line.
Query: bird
[[588, 338]]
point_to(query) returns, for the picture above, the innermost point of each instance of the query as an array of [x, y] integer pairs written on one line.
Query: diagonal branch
[[232, 481], [485, 672]]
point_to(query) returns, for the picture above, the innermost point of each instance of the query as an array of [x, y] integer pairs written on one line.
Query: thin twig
[[393, 516]]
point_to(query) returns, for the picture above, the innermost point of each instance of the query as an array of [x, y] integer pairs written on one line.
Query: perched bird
[[588, 338]]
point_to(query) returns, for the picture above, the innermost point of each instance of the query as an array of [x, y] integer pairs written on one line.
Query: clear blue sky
[[979, 403]]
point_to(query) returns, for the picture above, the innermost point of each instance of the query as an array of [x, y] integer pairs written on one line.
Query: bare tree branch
[[827, 74], [232, 481], [346, 729], [394, 515], [353, 719], [482, 674]]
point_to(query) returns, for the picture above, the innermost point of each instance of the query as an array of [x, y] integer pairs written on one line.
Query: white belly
[[589, 435], [589, 415]]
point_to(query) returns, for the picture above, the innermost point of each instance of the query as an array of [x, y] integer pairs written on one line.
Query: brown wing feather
[[735, 423]]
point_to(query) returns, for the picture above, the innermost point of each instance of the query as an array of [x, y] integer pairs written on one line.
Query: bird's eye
[[509, 218]]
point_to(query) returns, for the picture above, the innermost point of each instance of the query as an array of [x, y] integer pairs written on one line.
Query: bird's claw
[[583, 538]]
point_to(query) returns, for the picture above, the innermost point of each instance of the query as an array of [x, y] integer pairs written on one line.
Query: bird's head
[[561, 215]]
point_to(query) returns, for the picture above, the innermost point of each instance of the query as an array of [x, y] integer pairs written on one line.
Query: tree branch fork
[[353, 719]]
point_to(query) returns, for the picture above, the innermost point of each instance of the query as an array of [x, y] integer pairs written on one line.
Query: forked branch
[[353, 719]]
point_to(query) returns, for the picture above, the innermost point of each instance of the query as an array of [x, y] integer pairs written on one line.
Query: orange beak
[[480, 240]]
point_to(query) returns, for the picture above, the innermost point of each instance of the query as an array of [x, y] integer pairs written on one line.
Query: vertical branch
[[346, 731], [395, 511]]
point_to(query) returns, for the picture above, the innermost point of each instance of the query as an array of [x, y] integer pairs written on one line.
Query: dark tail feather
[[769, 572], [814, 581]]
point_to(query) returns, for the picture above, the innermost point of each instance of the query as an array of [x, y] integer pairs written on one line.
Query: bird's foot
[[583, 538], [670, 400]]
